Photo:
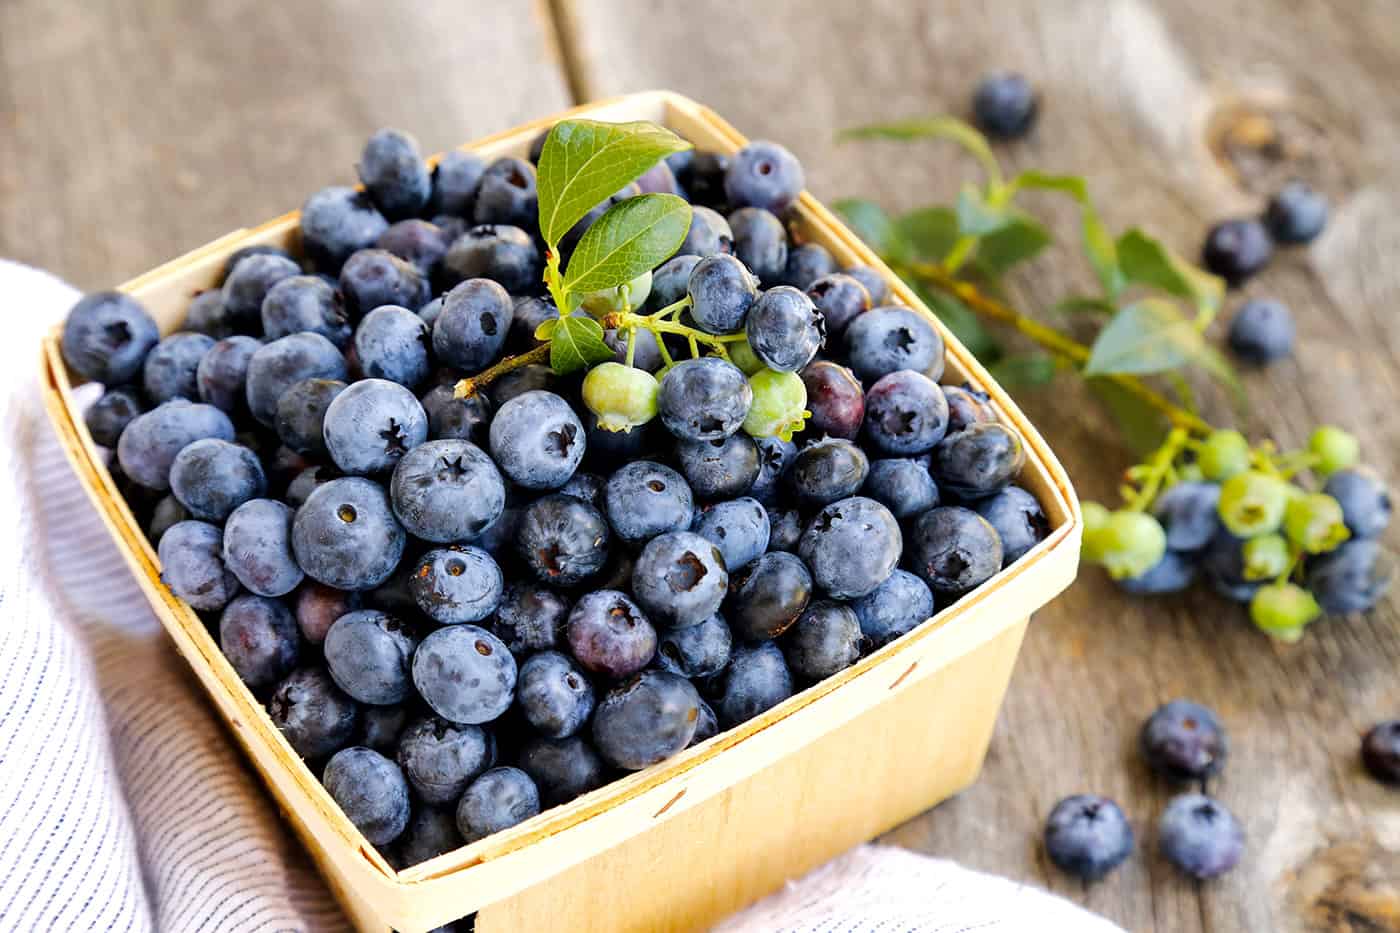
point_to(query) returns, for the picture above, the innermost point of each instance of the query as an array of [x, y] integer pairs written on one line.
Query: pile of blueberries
[[463, 610]]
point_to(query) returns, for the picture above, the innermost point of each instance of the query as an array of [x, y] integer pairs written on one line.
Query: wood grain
[[1180, 113]]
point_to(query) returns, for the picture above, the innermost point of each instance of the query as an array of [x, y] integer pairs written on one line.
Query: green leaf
[[1023, 371], [976, 215], [634, 236], [949, 128], [575, 342], [585, 162], [1148, 336], [1022, 238], [1145, 260], [1084, 304], [1073, 185], [1142, 426], [874, 226], [929, 231], [1103, 255], [961, 320]]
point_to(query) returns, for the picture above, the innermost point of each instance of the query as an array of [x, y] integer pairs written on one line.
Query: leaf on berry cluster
[[874, 226], [1023, 371], [1022, 238], [585, 162], [949, 128], [976, 215], [1146, 261], [1148, 336], [1142, 426], [1098, 243], [634, 236], [1073, 185], [929, 231], [575, 342]]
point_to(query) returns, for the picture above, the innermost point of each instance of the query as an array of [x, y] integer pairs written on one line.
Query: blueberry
[[704, 176], [206, 315], [417, 242], [1222, 561], [679, 579], [646, 720], [449, 417], [906, 413], [719, 469], [704, 399], [169, 370], [222, 374], [301, 414], [835, 400], [371, 425], [276, 367], [585, 486], [700, 650], [902, 486], [554, 695], [392, 170], [721, 293], [894, 607], [305, 303], [372, 278], [393, 343], [828, 470], [1184, 741], [839, 298], [709, 234], [784, 329], [1353, 578], [887, 339], [472, 329], [1236, 249], [306, 482], [1199, 836], [192, 565], [368, 653], [1380, 751], [756, 680], [528, 312], [563, 539], [1004, 105], [315, 716], [457, 584], [258, 547], [317, 606], [1088, 836], [738, 528], [1188, 512], [247, 286], [1364, 499], [806, 264], [506, 194], [659, 179], [763, 174], [440, 758], [345, 535], [707, 726], [775, 456], [110, 414], [978, 460], [528, 378], [465, 674], [432, 831], [243, 252], [761, 243], [455, 179], [562, 769], [499, 799], [501, 533], [1261, 332], [372, 792], [1019, 521], [167, 513], [769, 595], [670, 282], [380, 728], [537, 440], [874, 282], [147, 448], [502, 253], [644, 499], [260, 639], [106, 337], [967, 406], [336, 222], [446, 491], [608, 634], [851, 546], [1296, 214], [954, 550], [530, 618]]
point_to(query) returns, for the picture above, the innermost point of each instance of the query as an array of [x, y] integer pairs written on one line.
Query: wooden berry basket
[[681, 844]]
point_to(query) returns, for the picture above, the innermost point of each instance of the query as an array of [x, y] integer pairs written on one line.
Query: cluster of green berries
[[1244, 519]]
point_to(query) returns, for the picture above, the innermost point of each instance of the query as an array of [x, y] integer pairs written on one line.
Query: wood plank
[[1140, 96], [131, 133]]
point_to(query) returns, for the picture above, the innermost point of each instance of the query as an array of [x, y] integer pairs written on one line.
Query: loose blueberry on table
[[489, 510]]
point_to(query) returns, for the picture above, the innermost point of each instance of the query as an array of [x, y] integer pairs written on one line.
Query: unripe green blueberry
[[1130, 544], [605, 301], [1252, 503], [1314, 522], [1335, 449], [1283, 610], [742, 356], [1095, 522], [779, 405], [1224, 454], [622, 397], [1265, 557], [1190, 473]]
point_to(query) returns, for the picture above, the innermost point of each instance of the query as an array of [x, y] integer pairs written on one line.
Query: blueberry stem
[[658, 324], [631, 346], [466, 388], [1151, 474]]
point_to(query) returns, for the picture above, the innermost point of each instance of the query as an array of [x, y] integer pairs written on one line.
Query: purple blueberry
[[1237, 249], [1088, 836], [835, 399], [609, 634], [317, 607], [372, 278], [1380, 751], [222, 374], [258, 547], [1184, 741], [260, 639], [418, 242], [1199, 836], [336, 222], [506, 194], [148, 446], [530, 618], [192, 565]]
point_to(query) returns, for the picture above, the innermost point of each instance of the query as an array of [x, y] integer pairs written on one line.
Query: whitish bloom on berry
[[622, 397]]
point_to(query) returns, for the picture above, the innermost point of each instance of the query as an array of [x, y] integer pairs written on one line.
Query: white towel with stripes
[[124, 805]]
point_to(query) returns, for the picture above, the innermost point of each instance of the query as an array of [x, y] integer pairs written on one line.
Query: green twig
[[466, 388]]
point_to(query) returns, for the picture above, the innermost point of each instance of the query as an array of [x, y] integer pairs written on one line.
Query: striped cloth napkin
[[124, 805]]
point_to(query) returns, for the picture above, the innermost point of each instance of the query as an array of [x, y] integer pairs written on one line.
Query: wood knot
[[1348, 887], [1262, 143]]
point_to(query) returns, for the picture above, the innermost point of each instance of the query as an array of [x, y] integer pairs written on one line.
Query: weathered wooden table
[[130, 133]]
